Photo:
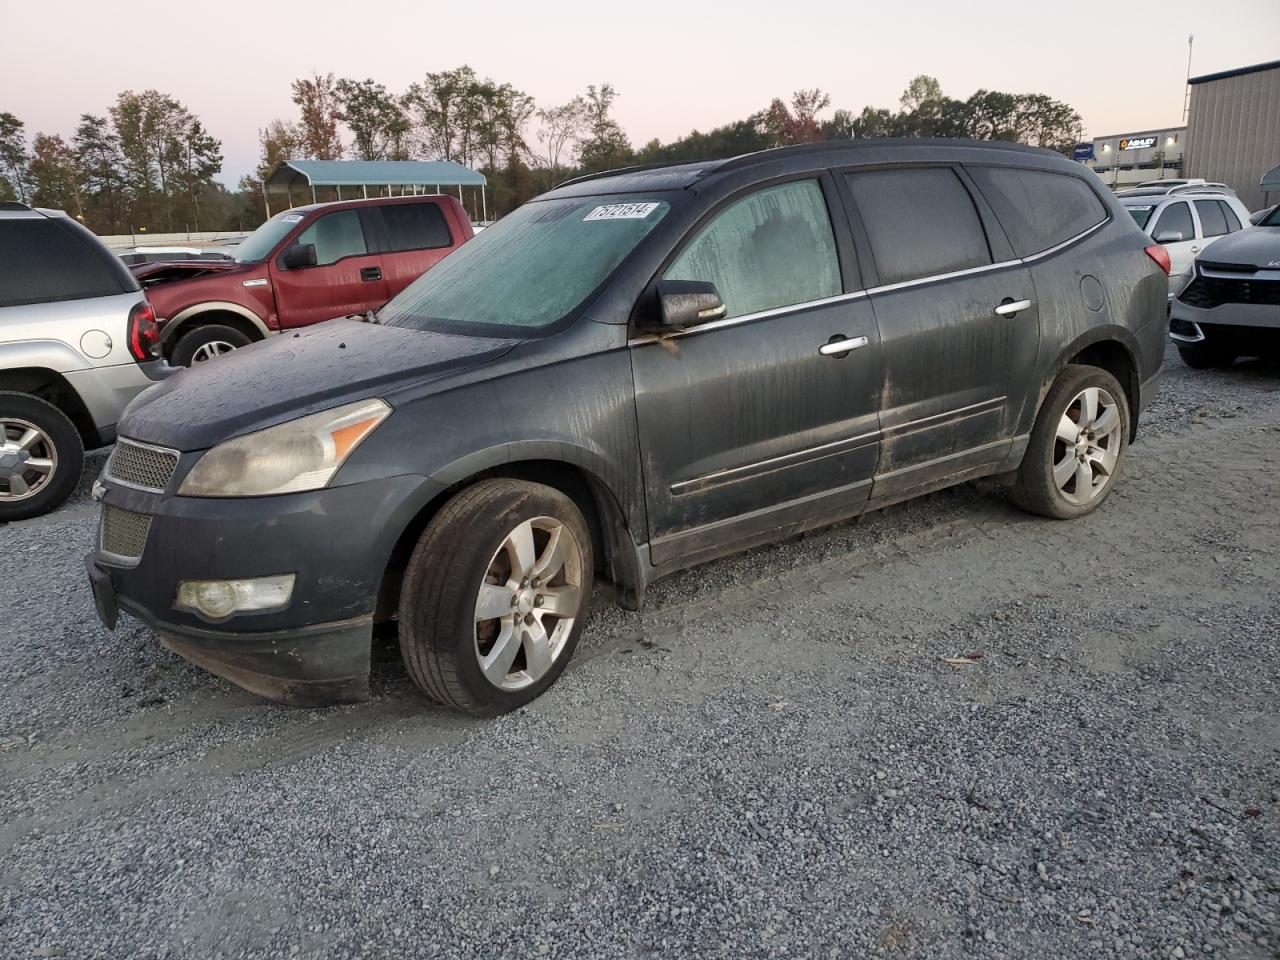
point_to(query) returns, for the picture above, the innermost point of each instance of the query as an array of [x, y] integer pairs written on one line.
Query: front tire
[[205, 343], [41, 456], [1078, 445], [496, 595]]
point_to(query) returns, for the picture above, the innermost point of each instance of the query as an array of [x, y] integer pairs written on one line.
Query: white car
[[1185, 223]]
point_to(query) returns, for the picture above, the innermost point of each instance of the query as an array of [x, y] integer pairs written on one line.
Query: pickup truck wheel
[[1078, 445], [206, 342], [41, 456], [495, 596]]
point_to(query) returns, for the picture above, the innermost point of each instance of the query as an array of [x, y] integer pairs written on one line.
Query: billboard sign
[[1137, 143]]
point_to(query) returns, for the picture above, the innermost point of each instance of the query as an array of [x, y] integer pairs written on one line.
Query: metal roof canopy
[[1271, 181], [363, 174]]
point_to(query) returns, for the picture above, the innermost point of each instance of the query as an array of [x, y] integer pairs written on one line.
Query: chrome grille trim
[[123, 535], [141, 465]]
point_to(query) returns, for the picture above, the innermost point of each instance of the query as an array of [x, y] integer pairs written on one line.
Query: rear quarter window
[[415, 226], [920, 222], [52, 259], [1038, 210]]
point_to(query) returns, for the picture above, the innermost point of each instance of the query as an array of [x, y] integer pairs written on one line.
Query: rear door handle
[[370, 273], [839, 345], [1009, 307]]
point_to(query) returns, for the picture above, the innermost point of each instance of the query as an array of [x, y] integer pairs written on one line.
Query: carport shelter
[[364, 178]]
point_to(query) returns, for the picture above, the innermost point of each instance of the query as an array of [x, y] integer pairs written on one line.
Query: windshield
[[1272, 219], [256, 246], [530, 269], [1141, 212]]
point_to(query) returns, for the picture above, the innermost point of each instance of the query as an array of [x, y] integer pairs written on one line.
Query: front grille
[[140, 466], [124, 534], [1209, 292]]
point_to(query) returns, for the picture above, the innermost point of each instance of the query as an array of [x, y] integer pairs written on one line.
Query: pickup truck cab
[[302, 266]]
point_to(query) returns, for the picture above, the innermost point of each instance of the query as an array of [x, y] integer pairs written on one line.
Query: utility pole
[[1186, 96]]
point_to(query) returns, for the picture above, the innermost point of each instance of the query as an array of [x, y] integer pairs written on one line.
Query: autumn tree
[[375, 119], [559, 128], [101, 163], [320, 106], [55, 175], [603, 145], [13, 158]]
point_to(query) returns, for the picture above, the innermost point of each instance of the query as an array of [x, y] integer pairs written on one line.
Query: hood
[[149, 274], [1253, 248], [293, 374]]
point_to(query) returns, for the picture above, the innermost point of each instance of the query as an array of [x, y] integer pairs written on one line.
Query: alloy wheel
[[28, 459], [527, 604], [214, 348], [1087, 445]]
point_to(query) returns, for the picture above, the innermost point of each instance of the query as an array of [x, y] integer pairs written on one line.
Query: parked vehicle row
[[633, 373], [1184, 223]]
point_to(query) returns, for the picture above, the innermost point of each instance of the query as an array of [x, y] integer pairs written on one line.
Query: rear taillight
[[1161, 256], [144, 335]]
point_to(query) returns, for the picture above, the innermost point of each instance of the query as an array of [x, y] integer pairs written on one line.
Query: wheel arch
[[232, 314], [614, 545], [1111, 348], [53, 388]]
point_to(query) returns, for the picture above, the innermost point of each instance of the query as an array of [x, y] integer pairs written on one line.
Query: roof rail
[[634, 168]]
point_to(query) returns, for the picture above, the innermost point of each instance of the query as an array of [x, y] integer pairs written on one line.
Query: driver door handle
[[1009, 307], [837, 347]]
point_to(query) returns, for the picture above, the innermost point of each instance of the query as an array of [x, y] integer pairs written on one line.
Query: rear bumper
[[106, 391]]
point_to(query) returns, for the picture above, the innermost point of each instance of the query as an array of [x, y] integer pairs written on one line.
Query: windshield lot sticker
[[291, 218], [621, 211]]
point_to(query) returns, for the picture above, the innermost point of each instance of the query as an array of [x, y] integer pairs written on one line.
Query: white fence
[[126, 241]]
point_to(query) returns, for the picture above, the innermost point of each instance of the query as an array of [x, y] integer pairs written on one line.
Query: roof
[[875, 149], [356, 173], [1237, 72], [1270, 180]]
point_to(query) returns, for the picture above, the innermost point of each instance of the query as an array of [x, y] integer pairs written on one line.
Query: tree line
[[150, 163]]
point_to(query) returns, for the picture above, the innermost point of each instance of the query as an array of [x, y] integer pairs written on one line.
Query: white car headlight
[[302, 454]]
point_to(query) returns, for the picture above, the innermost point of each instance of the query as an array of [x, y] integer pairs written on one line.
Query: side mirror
[[299, 255], [1168, 236], [687, 303]]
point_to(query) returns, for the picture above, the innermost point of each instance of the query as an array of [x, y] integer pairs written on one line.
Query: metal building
[[1233, 129]]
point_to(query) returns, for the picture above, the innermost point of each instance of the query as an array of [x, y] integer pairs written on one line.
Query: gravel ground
[[776, 759]]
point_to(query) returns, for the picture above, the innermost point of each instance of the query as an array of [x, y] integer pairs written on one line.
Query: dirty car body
[[776, 407]]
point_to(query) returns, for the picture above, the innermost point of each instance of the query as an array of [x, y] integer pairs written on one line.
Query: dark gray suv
[[634, 373]]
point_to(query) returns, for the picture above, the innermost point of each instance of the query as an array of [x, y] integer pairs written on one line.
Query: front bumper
[[337, 543]]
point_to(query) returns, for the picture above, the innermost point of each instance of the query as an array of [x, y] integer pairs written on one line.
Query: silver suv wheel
[[527, 604], [1089, 438], [28, 459]]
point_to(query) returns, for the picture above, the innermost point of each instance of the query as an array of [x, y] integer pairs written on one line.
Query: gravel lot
[[775, 760]]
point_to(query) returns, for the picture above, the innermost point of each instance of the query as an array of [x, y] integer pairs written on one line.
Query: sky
[[677, 66]]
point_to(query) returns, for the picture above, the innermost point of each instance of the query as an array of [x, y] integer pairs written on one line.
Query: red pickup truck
[[302, 266]]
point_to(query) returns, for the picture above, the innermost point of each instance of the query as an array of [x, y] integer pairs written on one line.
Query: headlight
[[302, 454]]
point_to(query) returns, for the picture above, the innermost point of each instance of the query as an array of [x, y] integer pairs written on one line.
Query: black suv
[[634, 373]]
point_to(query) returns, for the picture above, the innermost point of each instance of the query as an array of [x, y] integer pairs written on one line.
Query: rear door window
[[1037, 209], [415, 226], [44, 260], [1212, 220], [772, 248], [1174, 219], [335, 235], [921, 222], [1233, 222]]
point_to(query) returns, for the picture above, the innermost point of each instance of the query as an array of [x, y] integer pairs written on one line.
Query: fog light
[[219, 599]]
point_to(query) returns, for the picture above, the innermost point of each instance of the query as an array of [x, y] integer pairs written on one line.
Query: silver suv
[[76, 341]]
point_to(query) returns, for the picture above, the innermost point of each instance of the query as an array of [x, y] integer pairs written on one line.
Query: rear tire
[[496, 595], [207, 342], [1075, 454], [41, 456], [1201, 356]]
